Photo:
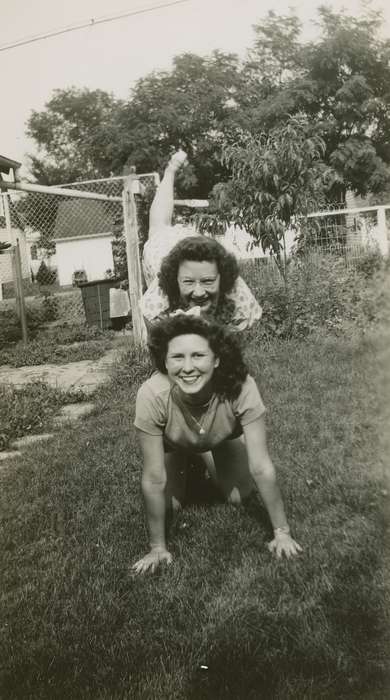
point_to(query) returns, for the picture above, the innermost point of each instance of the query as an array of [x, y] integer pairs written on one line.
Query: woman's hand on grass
[[284, 544], [152, 560]]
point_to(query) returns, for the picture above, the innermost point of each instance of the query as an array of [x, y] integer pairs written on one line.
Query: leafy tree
[[275, 55], [85, 134], [75, 135], [276, 178], [191, 107], [341, 82]]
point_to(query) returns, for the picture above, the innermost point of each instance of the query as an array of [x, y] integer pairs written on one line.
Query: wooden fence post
[[16, 270], [382, 229], [133, 261], [19, 284]]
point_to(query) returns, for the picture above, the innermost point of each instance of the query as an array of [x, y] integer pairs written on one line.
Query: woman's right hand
[[152, 560]]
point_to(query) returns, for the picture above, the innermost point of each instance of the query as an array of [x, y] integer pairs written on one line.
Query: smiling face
[[199, 284], [190, 364]]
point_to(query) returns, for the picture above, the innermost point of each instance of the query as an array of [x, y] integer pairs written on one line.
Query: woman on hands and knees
[[202, 408]]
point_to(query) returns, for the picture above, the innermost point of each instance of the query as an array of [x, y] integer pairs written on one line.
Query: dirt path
[[85, 375]]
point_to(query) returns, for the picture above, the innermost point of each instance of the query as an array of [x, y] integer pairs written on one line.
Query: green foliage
[[275, 177], [45, 349], [10, 327], [28, 410], [45, 275], [50, 307], [338, 81], [68, 333], [275, 54], [178, 109], [370, 263], [71, 524], [75, 135], [322, 295]]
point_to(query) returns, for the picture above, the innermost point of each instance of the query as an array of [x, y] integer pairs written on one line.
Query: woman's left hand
[[152, 560], [284, 544]]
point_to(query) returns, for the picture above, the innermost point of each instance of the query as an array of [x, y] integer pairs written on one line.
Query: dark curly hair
[[231, 372], [200, 248]]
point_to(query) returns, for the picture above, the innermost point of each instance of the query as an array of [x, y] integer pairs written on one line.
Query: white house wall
[[6, 274], [238, 241], [92, 254]]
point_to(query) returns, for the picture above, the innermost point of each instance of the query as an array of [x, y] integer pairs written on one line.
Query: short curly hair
[[197, 248], [231, 372]]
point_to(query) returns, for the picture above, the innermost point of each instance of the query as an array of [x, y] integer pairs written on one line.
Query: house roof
[[80, 218], [7, 164]]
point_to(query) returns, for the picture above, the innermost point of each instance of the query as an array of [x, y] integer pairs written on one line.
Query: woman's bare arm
[[264, 475], [154, 480]]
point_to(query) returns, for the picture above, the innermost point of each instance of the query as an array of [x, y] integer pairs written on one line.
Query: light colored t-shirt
[[157, 413]]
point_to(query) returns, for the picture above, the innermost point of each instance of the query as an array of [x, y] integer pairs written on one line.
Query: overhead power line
[[88, 23]]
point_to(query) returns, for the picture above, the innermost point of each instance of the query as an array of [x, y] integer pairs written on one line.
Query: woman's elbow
[[151, 485], [262, 469]]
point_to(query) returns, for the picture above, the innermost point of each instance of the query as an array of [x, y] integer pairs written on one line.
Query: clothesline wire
[[89, 23]]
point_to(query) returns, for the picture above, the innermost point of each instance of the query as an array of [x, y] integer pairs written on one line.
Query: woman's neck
[[199, 399]]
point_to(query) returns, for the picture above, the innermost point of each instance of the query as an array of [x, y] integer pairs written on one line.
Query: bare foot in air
[[177, 160]]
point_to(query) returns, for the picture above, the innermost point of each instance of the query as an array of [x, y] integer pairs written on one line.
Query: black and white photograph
[[195, 350]]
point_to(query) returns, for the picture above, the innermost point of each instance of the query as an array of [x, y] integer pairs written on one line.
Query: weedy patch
[[30, 409]]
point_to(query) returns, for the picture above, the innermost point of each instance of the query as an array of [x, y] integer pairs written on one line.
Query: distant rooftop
[[7, 164], [82, 218]]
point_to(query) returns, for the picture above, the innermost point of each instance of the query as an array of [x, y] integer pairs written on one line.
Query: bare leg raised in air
[[161, 211]]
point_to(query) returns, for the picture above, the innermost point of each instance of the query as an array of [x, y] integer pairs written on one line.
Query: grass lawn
[[59, 345], [225, 620]]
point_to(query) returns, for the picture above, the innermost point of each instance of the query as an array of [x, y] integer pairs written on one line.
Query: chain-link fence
[[357, 238], [353, 234], [73, 250], [64, 242]]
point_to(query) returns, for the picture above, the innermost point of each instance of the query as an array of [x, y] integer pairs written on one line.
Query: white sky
[[114, 55]]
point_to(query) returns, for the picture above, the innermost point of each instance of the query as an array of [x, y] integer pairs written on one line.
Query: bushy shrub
[[45, 275], [49, 307], [10, 327], [369, 262], [321, 293]]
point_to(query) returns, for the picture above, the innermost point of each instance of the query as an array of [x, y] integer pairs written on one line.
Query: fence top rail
[[193, 203], [114, 178], [355, 210], [44, 189]]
